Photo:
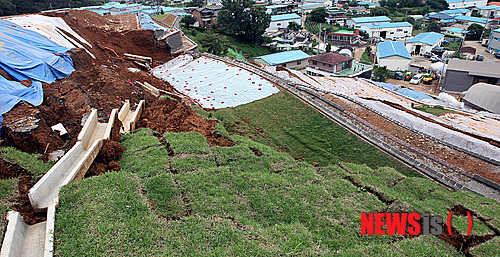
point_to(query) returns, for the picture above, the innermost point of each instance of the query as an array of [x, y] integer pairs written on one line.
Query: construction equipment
[[427, 78]]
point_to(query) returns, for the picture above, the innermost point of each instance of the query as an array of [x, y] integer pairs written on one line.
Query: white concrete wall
[[465, 4], [276, 25], [395, 63], [425, 47], [395, 33]]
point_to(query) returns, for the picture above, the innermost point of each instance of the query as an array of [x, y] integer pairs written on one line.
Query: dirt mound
[[107, 158], [26, 129], [110, 36], [10, 170], [168, 115], [24, 205]]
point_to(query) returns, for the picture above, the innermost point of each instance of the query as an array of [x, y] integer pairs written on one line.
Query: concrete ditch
[[37, 240]]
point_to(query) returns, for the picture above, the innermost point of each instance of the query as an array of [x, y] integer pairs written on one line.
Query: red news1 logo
[[399, 223]]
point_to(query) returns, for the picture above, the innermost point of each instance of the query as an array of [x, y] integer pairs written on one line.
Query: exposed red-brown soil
[[168, 115], [107, 37], [24, 205], [462, 242], [107, 158], [9, 169], [26, 129], [110, 153]]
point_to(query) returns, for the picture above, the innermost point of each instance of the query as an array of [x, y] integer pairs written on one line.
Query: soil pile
[[24, 205], [168, 115]]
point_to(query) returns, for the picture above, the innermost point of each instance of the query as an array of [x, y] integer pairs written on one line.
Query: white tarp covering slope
[[52, 28], [212, 83], [437, 131]]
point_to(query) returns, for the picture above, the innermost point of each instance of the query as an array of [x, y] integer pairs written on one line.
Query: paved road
[[482, 50]]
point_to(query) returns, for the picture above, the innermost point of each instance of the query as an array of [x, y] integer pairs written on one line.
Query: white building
[[357, 22], [281, 21], [393, 55], [457, 4], [424, 42], [490, 11], [393, 30]]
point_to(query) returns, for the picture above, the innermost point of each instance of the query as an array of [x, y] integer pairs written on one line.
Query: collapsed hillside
[[103, 83]]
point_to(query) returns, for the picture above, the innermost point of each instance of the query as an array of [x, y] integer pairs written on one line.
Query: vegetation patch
[[434, 110], [285, 123], [240, 203]]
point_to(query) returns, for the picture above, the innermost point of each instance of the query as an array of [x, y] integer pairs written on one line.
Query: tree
[[380, 11], [195, 3], [328, 47], [214, 43], [381, 73], [317, 15], [437, 5], [433, 27], [188, 20], [368, 50], [475, 31], [294, 26], [240, 18]]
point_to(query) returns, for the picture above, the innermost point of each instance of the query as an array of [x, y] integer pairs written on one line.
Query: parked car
[[398, 75], [408, 76], [428, 54], [480, 58], [417, 79], [497, 55], [434, 59]]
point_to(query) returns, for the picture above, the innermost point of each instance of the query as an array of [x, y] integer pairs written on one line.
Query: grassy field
[[292, 126], [314, 27], [246, 200], [434, 110], [253, 50]]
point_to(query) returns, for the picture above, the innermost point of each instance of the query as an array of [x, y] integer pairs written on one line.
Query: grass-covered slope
[[245, 200], [283, 121]]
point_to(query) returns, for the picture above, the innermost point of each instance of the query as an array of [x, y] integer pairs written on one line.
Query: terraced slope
[[176, 195]]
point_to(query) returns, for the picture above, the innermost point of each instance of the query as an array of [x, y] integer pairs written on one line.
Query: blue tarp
[[147, 22], [25, 54], [414, 93], [11, 93], [389, 86]]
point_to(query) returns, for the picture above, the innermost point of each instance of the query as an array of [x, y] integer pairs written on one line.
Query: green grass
[[290, 125], [9, 187], [314, 27], [365, 57], [434, 110], [252, 49], [245, 205]]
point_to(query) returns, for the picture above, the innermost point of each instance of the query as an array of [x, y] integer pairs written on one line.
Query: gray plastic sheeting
[[214, 84]]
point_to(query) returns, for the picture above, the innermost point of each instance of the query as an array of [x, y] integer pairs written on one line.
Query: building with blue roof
[[468, 20], [454, 31], [114, 8], [393, 30], [424, 42], [393, 55], [458, 12], [460, 4], [353, 22], [289, 59], [494, 41], [281, 21], [490, 11]]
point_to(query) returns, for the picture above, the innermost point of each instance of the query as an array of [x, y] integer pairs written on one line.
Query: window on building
[[324, 64], [298, 62], [279, 24], [399, 30], [329, 65], [315, 63], [406, 31], [391, 33]]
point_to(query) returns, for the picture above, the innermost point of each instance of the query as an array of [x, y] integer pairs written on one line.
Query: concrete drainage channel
[[22, 239], [301, 91]]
